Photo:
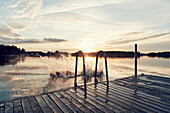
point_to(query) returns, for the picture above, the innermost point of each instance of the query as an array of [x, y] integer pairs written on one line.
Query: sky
[[87, 25]]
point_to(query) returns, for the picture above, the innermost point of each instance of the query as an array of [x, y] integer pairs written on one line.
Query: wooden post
[[135, 77], [136, 55]]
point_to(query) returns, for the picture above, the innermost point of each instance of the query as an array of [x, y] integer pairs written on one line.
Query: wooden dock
[[144, 94]]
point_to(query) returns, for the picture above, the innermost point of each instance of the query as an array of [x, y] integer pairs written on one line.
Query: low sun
[[87, 50]]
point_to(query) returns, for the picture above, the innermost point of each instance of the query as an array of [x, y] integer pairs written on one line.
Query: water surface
[[25, 76]]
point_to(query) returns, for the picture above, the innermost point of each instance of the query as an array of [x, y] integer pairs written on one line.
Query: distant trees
[[10, 50], [165, 54], [112, 54]]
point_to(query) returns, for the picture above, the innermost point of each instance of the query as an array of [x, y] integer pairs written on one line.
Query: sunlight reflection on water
[[31, 75]]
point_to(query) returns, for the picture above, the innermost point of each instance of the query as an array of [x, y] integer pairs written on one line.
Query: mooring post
[[135, 77], [136, 55]]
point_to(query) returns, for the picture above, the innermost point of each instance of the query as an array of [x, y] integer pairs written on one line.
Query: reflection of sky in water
[[32, 76]]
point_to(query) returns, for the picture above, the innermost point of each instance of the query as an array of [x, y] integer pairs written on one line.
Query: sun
[[87, 50]]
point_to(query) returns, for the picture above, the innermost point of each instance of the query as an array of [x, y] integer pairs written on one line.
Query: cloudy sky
[[88, 25]]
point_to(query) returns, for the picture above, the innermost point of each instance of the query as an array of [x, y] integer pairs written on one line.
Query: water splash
[[64, 66], [48, 67]]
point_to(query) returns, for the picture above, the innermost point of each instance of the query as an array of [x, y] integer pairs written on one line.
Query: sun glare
[[85, 46], [87, 59], [87, 50]]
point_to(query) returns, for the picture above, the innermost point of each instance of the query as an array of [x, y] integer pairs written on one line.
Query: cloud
[[53, 40], [26, 8], [102, 20], [132, 33], [29, 41], [6, 31], [126, 40], [17, 26], [68, 5], [24, 14]]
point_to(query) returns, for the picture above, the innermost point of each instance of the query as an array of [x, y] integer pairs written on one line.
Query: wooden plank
[[9, 107], [2, 108], [17, 106], [147, 105], [156, 85], [93, 102], [43, 104], [145, 79], [106, 103], [61, 105], [85, 103], [164, 84], [26, 106], [136, 105], [153, 91], [139, 96], [126, 104], [157, 78], [74, 108], [35, 106], [134, 89], [51, 104], [76, 103], [114, 103]]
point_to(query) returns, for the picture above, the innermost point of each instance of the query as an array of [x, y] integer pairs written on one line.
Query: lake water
[[25, 76]]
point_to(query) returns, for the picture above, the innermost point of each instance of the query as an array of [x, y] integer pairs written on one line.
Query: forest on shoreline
[[13, 50]]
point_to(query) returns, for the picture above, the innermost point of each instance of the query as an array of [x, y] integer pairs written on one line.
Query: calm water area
[[25, 76]]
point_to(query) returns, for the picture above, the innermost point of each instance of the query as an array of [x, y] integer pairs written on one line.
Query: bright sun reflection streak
[[88, 59]]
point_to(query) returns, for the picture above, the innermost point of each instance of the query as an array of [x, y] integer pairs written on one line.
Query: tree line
[[11, 50]]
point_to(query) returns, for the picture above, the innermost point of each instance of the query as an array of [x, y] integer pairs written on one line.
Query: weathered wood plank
[[74, 108], [150, 81], [9, 107], [118, 106], [17, 106], [76, 103], [155, 85], [93, 102], [157, 78], [131, 93], [134, 90], [35, 106], [153, 91], [85, 103], [134, 104], [105, 102], [2, 108], [52, 105], [61, 105], [127, 105], [143, 103], [43, 104], [26, 106]]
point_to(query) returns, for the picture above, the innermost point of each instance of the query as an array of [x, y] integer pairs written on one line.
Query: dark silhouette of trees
[[165, 54], [10, 50]]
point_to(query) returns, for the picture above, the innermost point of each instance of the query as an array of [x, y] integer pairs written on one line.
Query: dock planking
[[146, 93], [26, 106], [2, 108]]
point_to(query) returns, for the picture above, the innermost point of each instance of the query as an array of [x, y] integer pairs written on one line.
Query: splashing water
[[48, 67], [64, 66]]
